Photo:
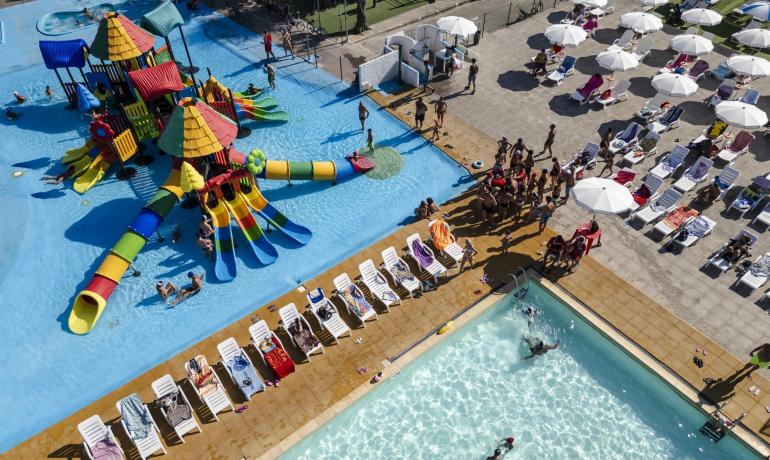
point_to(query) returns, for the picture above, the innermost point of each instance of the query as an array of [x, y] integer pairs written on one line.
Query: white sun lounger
[[149, 444], [259, 332], [692, 239], [228, 350], [633, 159], [671, 163], [668, 121], [609, 8], [217, 401], [334, 324], [453, 250], [589, 152], [763, 217], [752, 280], [565, 69], [623, 42], [656, 209], [665, 229], [653, 185], [377, 284], [726, 180], [760, 182], [718, 262], [737, 147], [166, 386], [618, 93], [627, 139], [435, 269], [689, 180], [289, 314], [642, 49], [391, 260], [651, 108], [93, 430], [343, 282]]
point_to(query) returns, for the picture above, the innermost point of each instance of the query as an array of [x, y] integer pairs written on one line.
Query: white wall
[[378, 70], [410, 75]]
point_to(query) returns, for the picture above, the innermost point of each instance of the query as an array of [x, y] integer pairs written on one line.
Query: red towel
[[624, 177], [279, 361]]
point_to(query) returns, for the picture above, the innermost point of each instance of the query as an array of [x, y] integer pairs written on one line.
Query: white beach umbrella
[[692, 45], [675, 85], [566, 34], [617, 60], [593, 3], [456, 25], [741, 115], [702, 17], [652, 2], [753, 66], [759, 10], [602, 196], [754, 38], [641, 22]]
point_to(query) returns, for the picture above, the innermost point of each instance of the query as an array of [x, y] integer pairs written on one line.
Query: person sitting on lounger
[[537, 347], [709, 194], [554, 252], [736, 250], [59, 178], [165, 291], [196, 284]]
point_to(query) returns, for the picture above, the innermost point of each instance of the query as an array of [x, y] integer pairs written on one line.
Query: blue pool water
[[52, 239], [64, 22], [585, 400]]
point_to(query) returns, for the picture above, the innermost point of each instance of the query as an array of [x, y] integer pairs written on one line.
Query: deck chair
[[377, 284], [737, 147], [719, 262], [642, 49], [443, 240], [644, 148], [566, 69], [271, 349], [676, 63], [651, 108], [618, 93], [757, 274], [326, 314], [354, 299], [658, 208], [646, 192], [143, 432], [172, 402], [609, 8], [399, 271], [585, 158], [668, 121], [721, 72], [698, 70], [588, 90], [674, 221], [694, 175], [240, 368], [207, 385], [98, 439], [751, 96], [624, 176], [723, 92], [626, 139], [726, 180], [696, 230], [751, 196], [296, 326], [763, 217], [623, 42], [671, 163], [424, 257]]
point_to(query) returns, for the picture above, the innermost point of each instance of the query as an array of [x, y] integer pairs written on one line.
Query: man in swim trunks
[[196, 284], [506, 443], [537, 347], [165, 291], [363, 114], [419, 113], [760, 359]]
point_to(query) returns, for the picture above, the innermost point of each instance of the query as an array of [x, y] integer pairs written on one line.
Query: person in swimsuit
[[555, 171], [554, 252], [469, 252], [363, 114], [196, 284], [488, 205], [759, 359], [267, 40], [506, 242], [270, 76], [529, 162], [432, 206], [518, 204], [165, 291], [440, 111], [286, 41], [546, 213], [370, 140], [537, 347], [421, 211], [569, 181], [504, 199], [205, 227], [549, 140], [542, 181], [419, 113]]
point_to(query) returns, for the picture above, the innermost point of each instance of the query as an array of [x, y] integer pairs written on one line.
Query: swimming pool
[[64, 22], [53, 239], [586, 400]]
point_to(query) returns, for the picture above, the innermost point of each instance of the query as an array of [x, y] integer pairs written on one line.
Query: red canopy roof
[[154, 82]]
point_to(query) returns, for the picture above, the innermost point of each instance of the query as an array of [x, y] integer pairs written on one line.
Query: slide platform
[[224, 265], [261, 206], [95, 172], [263, 249]]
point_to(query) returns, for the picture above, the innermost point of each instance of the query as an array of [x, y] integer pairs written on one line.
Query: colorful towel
[[106, 450], [698, 227], [442, 237], [402, 273], [279, 361], [424, 258], [591, 85], [200, 374], [679, 216], [136, 417], [356, 299], [176, 408], [303, 336], [698, 172], [244, 374], [642, 195]]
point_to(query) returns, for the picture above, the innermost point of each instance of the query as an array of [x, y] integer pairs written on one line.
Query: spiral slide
[[90, 302], [263, 249], [261, 206], [224, 266]]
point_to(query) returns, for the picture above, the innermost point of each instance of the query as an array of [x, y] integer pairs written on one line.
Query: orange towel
[[442, 237], [679, 217]]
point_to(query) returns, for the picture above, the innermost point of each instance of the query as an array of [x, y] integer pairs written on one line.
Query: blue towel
[[136, 417], [244, 374]]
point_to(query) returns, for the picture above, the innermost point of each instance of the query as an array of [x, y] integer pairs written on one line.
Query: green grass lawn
[[332, 18]]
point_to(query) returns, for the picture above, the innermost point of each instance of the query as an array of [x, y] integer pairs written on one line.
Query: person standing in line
[[268, 42], [569, 183], [546, 213], [419, 113], [555, 171], [473, 71], [270, 76], [286, 41], [549, 140], [363, 114]]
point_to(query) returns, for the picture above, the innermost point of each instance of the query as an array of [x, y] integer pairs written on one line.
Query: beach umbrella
[[602, 196], [702, 17], [456, 25], [741, 115], [754, 38], [196, 130], [641, 22], [566, 34], [119, 39], [759, 10], [753, 66], [617, 61], [592, 3], [674, 84], [653, 3], [692, 45]]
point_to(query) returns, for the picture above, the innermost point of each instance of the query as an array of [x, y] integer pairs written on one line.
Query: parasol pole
[[189, 59]]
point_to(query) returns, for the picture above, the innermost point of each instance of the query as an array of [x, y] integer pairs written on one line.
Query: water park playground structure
[[137, 94]]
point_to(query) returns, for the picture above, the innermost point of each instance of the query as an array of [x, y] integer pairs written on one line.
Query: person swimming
[[537, 347]]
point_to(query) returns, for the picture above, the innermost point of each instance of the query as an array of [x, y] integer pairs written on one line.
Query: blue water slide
[[145, 223]]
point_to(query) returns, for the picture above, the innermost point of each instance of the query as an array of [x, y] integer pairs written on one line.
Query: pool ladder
[[521, 292]]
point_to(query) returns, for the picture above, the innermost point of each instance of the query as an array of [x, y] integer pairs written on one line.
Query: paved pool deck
[[279, 417]]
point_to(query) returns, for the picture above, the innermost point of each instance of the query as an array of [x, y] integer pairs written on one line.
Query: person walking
[[286, 42], [555, 171], [569, 182], [473, 71], [419, 113], [440, 110], [609, 162], [268, 42], [549, 140], [363, 114]]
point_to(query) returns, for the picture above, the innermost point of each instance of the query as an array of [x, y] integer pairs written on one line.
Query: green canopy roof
[[162, 20]]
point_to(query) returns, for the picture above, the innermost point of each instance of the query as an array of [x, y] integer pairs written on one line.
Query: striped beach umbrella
[[119, 39], [196, 130]]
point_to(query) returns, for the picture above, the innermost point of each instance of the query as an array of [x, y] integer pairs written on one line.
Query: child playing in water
[[435, 136], [48, 91]]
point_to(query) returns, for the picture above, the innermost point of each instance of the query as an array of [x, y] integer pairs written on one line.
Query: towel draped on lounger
[[244, 374], [177, 410], [136, 417]]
